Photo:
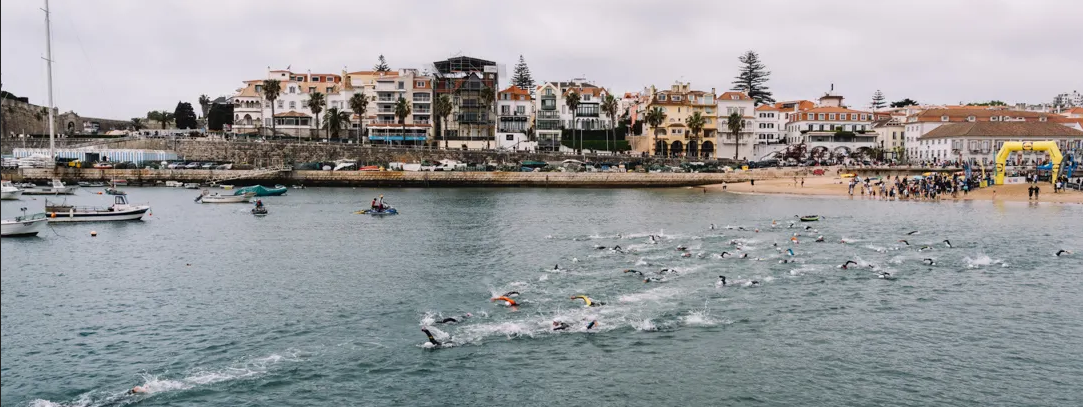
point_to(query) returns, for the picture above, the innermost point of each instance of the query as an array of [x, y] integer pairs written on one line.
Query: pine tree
[[878, 100], [753, 78], [382, 65], [522, 76], [185, 116]]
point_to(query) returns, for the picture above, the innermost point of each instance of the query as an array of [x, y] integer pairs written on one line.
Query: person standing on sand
[[1037, 190], [723, 185], [802, 182], [1030, 192]]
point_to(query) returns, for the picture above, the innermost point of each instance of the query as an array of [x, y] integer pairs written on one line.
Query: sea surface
[[206, 305]]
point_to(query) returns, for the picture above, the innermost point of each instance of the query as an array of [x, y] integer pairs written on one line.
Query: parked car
[[192, 166], [175, 166], [207, 166]]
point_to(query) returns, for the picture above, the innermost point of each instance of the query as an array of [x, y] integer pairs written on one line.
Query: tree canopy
[[904, 103], [878, 100], [381, 66], [752, 79], [185, 116], [522, 77]]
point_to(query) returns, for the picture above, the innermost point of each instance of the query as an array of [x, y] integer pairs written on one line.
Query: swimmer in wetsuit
[[847, 264], [433, 341]]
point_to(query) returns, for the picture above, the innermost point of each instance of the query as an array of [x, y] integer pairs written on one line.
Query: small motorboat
[[206, 197], [119, 210], [26, 225], [83, 184], [56, 188], [387, 210], [191, 185], [97, 184], [298, 186], [114, 191], [9, 192], [810, 218]]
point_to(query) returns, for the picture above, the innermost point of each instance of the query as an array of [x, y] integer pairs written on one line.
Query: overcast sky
[[121, 58]]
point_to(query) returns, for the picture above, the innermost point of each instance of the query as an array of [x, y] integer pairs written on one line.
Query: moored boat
[[216, 198], [25, 225], [114, 191], [810, 218], [56, 188], [261, 190], [9, 192], [120, 210]]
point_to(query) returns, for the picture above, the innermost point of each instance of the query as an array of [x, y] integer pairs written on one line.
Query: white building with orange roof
[[832, 130], [741, 145], [927, 120], [553, 116], [515, 117], [292, 117]]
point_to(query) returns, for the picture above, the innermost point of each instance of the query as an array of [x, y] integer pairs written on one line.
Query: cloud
[[121, 58]]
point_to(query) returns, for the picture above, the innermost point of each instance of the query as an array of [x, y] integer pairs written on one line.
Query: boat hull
[[25, 228], [226, 199], [11, 195], [98, 216], [50, 191]]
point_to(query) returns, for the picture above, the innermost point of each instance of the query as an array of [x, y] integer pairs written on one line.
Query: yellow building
[[673, 137]]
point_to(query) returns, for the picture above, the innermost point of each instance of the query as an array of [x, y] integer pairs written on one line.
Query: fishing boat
[[56, 188], [261, 190], [206, 197], [810, 218], [26, 225], [120, 210], [9, 192]]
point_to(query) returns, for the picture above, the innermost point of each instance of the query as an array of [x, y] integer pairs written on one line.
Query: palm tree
[[402, 110], [442, 109], [572, 101], [695, 124], [137, 123], [487, 99], [736, 124], [609, 106], [271, 89], [335, 120], [316, 102], [655, 117], [161, 116], [205, 105], [360, 105]]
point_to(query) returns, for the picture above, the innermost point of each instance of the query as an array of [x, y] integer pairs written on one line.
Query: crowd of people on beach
[[930, 188]]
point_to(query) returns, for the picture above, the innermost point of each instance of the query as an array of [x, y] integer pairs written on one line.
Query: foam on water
[[644, 325], [981, 260]]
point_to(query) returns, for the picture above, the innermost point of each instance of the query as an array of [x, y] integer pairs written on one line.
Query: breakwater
[[402, 178]]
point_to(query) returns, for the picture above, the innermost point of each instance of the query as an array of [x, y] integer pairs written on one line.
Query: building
[[832, 130], [471, 83], [415, 127], [515, 119], [927, 120], [741, 145], [890, 136], [553, 115], [673, 137], [979, 141], [292, 117]]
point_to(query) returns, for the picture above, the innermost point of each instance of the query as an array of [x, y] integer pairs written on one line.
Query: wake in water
[[152, 385]]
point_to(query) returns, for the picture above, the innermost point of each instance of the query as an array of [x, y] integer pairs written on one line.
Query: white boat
[[57, 188], [9, 192], [191, 185], [216, 198], [174, 184], [23, 225], [119, 210]]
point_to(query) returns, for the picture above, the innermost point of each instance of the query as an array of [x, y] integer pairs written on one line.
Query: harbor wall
[[404, 178]]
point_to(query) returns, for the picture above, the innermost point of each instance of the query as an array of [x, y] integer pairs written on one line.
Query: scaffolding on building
[[472, 84]]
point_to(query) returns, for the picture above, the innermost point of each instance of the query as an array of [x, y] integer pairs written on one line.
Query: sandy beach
[[835, 186]]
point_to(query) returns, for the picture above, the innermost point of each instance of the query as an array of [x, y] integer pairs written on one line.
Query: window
[[293, 105], [586, 97], [1041, 119], [944, 118], [520, 110], [419, 84], [821, 116], [864, 117], [505, 110], [510, 137], [662, 97], [293, 89], [831, 116], [742, 111], [330, 89], [735, 97], [970, 118], [281, 103], [311, 89], [548, 92], [259, 88], [402, 85], [811, 116], [676, 98]]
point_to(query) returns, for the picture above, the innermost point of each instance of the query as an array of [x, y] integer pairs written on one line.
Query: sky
[[121, 58]]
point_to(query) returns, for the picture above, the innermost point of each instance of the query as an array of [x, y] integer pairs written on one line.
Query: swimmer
[[617, 249], [774, 244], [929, 262], [634, 271], [885, 275], [575, 259], [667, 271], [654, 280], [560, 326], [808, 227], [137, 390], [686, 254], [453, 320], [733, 242], [556, 267], [740, 228], [592, 324], [912, 233], [511, 294], [653, 240], [681, 248], [846, 265], [743, 256], [820, 239], [785, 261], [599, 247], [619, 236], [924, 248], [712, 227], [947, 242], [508, 301], [721, 280], [1062, 252], [587, 301], [790, 251], [904, 241], [754, 283], [433, 341], [724, 254]]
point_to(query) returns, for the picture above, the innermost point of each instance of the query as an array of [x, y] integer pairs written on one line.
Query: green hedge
[[619, 145]]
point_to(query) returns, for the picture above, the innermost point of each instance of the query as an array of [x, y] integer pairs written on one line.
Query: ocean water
[[206, 305]]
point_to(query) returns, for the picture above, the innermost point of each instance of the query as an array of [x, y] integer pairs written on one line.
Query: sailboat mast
[[49, 65]]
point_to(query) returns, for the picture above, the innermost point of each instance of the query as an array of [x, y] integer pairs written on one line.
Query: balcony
[[472, 118], [422, 111]]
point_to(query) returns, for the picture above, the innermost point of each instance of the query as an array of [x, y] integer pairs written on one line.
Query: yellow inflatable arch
[[1012, 146]]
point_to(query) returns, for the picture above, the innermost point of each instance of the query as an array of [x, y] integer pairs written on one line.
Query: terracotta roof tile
[[961, 115], [1003, 129], [763, 108], [730, 96], [292, 113]]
